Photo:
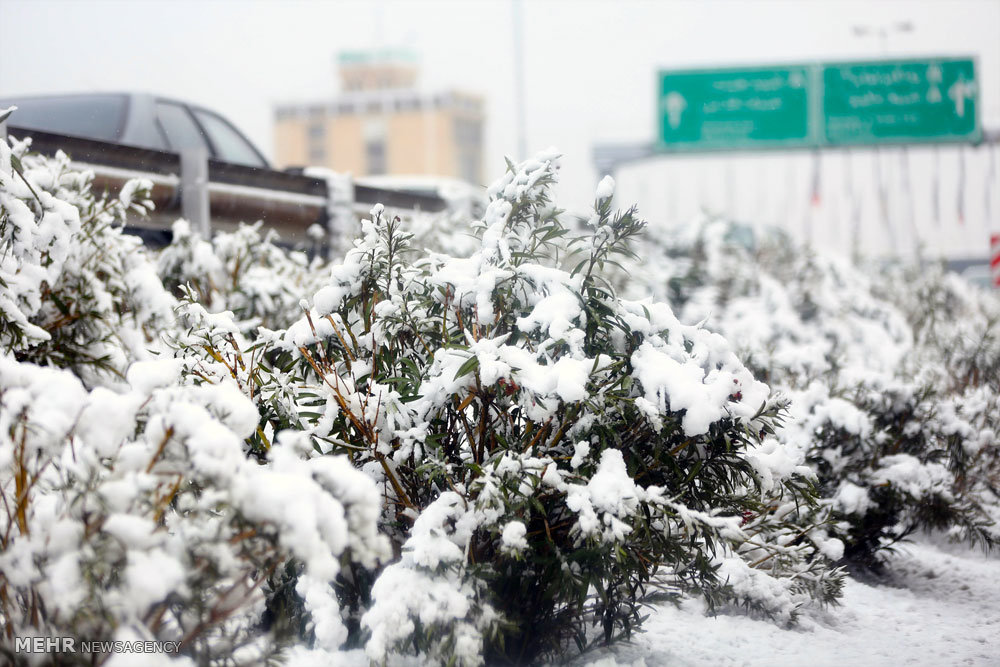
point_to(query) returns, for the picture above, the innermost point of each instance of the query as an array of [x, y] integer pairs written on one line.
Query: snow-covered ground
[[942, 607]]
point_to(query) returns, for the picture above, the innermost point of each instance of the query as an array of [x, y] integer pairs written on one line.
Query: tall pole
[[960, 197], [991, 174], [730, 194], [908, 201], [936, 190], [761, 197], [854, 207], [517, 24], [789, 178], [883, 197], [814, 197], [883, 200]]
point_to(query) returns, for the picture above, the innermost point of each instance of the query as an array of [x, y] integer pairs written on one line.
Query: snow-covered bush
[[243, 271], [957, 330], [131, 510], [549, 453], [888, 400], [955, 324], [139, 514], [75, 291], [447, 232]]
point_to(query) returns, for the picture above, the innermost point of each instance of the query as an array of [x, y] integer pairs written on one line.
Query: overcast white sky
[[590, 65]]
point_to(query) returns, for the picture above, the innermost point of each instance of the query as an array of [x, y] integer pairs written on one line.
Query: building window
[[468, 133], [375, 157], [376, 160], [407, 104], [316, 141], [468, 164]]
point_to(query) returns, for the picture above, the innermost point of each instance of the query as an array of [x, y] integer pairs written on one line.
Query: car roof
[[135, 130]]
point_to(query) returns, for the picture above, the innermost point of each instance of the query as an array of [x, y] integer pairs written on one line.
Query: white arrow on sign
[[675, 104], [960, 91]]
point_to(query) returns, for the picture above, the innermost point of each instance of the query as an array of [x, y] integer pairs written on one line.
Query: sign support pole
[[995, 259], [911, 214]]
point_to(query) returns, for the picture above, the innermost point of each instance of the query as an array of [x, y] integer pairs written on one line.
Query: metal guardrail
[[607, 157], [216, 195]]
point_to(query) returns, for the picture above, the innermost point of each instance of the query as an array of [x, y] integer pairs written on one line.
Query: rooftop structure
[[382, 124]]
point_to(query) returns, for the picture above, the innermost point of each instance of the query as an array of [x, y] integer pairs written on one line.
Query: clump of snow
[[512, 537], [606, 188]]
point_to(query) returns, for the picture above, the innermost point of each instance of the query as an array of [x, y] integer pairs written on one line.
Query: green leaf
[[579, 266], [470, 365], [410, 366], [554, 233], [59, 304]]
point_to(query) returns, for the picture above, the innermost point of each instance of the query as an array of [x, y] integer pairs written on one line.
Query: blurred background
[[411, 90]]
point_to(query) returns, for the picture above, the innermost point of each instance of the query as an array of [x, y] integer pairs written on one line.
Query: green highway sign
[[900, 101], [735, 108], [818, 104]]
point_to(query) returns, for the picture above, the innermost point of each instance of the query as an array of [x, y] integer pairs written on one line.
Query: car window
[[178, 125], [229, 144], [91, 116]]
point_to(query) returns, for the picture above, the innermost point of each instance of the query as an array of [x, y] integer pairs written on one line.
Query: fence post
[[194, 189], [340, 206]]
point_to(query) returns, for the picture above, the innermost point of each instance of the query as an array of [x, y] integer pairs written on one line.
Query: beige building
[[381, 124]]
